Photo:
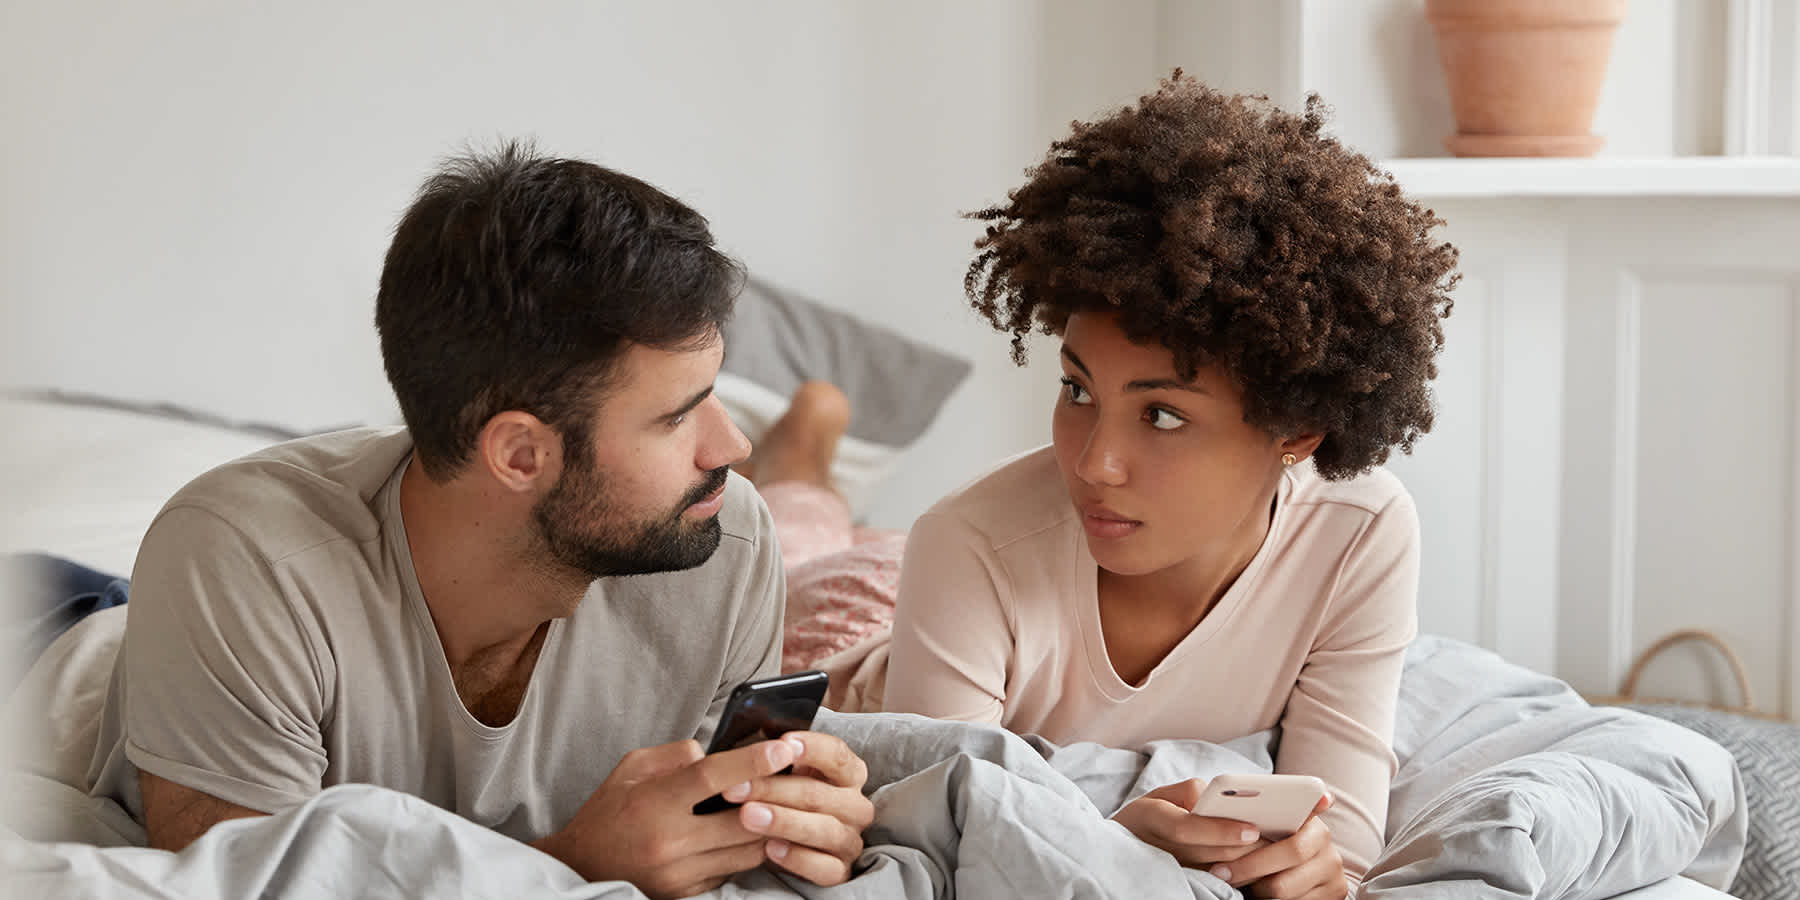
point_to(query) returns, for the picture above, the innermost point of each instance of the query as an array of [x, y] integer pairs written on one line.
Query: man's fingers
[[653, 762], [847, 805], [705, 871], [829, 758], [701, 834], [730, 768], [802, 828], [822, 869]]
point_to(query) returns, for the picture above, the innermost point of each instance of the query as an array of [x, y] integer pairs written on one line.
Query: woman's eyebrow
[[1157, 384], [1075, 361], [1142, 384]]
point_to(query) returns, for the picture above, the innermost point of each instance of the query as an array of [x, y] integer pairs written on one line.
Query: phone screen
[[763, 710]]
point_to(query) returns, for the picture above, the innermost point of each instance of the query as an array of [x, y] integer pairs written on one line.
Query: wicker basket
[[1628, 692]]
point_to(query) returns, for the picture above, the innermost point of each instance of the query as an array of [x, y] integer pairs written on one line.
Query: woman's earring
[[1288, 459]]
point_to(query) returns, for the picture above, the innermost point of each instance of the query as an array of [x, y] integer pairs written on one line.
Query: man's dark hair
[[516, 281], [1240, 236]]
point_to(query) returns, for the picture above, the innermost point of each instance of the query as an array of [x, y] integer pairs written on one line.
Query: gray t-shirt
[[277, 642]]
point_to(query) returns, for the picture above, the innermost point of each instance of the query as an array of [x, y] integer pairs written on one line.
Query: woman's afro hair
[[1239, 236]]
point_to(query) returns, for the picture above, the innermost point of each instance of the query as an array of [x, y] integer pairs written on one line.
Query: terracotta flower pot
[[1524, 75]]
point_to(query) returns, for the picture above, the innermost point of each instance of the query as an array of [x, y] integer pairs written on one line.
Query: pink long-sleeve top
[[998, 621]]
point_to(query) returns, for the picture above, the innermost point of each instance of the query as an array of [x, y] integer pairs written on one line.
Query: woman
[[1249, 316]]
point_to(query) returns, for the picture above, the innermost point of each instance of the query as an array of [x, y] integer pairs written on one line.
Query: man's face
[[643, 493]]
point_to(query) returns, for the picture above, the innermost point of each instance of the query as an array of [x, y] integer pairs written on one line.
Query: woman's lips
[[1101, 522]]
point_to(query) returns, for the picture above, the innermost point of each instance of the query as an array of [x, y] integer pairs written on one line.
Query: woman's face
[[1162, 471]]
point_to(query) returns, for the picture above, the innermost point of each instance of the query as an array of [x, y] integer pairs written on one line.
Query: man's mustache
[[714, 480]]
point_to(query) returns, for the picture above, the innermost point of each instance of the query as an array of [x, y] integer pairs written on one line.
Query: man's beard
[[582, 530]]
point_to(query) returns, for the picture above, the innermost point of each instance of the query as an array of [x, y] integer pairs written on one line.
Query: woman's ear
[[1301, 446], [520, 452]]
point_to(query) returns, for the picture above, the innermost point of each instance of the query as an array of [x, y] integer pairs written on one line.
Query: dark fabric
[[58, 594]]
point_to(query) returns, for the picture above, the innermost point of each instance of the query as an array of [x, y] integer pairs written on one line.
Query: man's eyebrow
[[1142, 384], [687, 407]]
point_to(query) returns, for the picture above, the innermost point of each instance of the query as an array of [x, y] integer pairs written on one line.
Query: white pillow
[[82, 480]]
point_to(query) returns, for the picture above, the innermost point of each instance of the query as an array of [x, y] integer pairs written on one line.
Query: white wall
[[195, 196], [1375, 62]]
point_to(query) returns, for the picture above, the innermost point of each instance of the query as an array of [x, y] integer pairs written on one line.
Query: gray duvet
[[1509, 786]]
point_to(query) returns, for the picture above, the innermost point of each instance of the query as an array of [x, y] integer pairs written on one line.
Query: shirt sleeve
[[1339, 722], [953, 634], [755, 650], [224, 682]]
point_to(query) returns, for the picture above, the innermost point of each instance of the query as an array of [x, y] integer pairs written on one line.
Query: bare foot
[[802, 443]]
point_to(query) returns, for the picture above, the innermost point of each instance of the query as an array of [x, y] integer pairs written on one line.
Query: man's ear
[[1302, 446], [521, 453]]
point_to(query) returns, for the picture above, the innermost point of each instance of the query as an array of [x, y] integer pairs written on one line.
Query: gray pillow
[[896, 385], [1768, 756]]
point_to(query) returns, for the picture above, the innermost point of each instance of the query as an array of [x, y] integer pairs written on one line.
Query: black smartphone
[[761, 710]]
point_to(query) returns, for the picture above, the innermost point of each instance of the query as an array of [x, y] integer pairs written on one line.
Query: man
[[548, 569]]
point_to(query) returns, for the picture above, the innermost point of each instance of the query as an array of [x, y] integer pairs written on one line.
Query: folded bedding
[[1509, 786]]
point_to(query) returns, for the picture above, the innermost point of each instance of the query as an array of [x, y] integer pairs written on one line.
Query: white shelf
[[1697, 176]]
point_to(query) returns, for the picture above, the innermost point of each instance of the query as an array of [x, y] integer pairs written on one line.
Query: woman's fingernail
[[757, 815], [798, 745], [1221, 873], [1250, 834], [737, 792], [778, 849]]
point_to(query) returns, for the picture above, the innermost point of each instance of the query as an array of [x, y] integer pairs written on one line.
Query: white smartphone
[[1277, 805]]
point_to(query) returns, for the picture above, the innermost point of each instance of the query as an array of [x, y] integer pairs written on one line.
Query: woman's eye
[[1078, 395], [1164, 420]]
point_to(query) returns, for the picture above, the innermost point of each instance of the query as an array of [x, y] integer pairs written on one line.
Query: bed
[[1509, 784]]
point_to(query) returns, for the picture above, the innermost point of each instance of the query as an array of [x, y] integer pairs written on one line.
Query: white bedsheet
[[1677, 888]]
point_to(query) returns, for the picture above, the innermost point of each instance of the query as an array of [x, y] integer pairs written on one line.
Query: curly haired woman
[[1249, 315]]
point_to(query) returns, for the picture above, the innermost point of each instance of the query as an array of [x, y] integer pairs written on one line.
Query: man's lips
[[710, 503]]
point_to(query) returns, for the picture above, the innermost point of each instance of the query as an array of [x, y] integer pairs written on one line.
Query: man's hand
[[1164, 819], [639, 825], [814, 818]]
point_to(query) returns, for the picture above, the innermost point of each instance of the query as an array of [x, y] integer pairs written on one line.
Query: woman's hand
[[1164, 819], [1303, 866]]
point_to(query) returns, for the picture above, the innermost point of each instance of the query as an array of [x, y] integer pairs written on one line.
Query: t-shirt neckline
[[393, 530]]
